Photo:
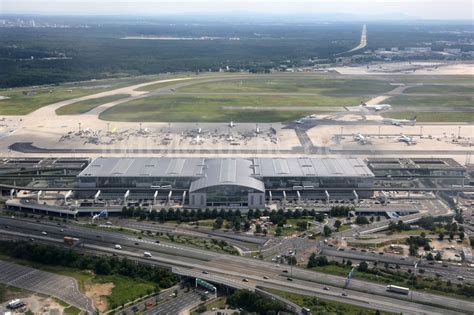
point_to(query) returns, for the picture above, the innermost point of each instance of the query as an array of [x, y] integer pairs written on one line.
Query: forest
[[96, 49]]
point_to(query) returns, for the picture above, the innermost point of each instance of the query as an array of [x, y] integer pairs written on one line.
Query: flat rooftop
[[414, 163], [202, 167]]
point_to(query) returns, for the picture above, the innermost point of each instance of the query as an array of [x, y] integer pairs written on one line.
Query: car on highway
[[326, 289], [344, 294], [117, 246], [134, 309], [285, 271], [157, 242], [44, 233], [61, 230], [136, 243], [245, 280], [265, 277], [147, 254], [205, 272], [289, 279]]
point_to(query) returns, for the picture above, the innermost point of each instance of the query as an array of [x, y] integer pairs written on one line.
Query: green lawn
[[433, 116], [85, 106], [322, 306], [321, 84], [20, 104], [440, 89], [441, 101], [175, 108], [126, 289]]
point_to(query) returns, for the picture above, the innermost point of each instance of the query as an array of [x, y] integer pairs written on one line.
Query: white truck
[[147, 254], [397, 289], [117, 246]]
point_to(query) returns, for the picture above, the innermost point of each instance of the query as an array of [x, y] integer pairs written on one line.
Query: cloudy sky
[[426, 9]]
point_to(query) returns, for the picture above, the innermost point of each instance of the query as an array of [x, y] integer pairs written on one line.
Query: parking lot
[[61, 287]]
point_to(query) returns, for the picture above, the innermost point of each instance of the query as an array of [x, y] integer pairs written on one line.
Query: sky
[[424, 9]]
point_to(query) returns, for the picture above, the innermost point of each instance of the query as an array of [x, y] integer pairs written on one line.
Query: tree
[[258, 229], [429, 256], [292, 260], [317, 261], [103, 268], [278, 231], [327, 231], [319, 217], [363, 267], [349, 262], [461, 236], [441, 236], [218, 223], [438, 256], [302, 226], [337, 224], [362, 220]]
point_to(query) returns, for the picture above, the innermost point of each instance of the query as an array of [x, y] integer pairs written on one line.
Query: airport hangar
[[227, 182]]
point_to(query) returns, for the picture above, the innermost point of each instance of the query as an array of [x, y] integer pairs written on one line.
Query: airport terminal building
[[227, 182]]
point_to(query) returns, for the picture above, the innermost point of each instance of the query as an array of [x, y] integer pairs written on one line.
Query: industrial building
[[436, 171], [228, 182]]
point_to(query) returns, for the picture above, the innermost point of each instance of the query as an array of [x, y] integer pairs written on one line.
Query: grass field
[[174, 108], [441, 101], [321, 84], [433, 116], [321, 306], [440, 89], [431, 79], [20, 104], [85, 106]]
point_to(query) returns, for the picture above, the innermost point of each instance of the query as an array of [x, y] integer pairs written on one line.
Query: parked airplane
[[400, 122], [197, 140], [257, 129], [361, 138], [377, 107], [407, 140]]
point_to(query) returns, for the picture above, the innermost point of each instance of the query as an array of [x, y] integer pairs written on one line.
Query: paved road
[[176, 305], [61, 287], [234, 267]]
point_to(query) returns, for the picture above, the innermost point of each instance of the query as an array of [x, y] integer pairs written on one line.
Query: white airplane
[[407, 140], [361, 138], [400, 122], [257, 129], [197, 140], [377, 107]]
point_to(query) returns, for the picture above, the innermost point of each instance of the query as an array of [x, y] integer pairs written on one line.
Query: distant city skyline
[[423, 9]]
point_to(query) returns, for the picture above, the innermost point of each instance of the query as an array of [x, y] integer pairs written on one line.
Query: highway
[[233, 267]]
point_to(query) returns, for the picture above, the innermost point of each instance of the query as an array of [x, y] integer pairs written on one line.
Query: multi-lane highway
[[234, 268]]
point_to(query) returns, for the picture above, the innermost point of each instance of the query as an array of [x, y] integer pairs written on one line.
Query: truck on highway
[[70, 240], [147, 254], [15, 304], [397, 289]]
